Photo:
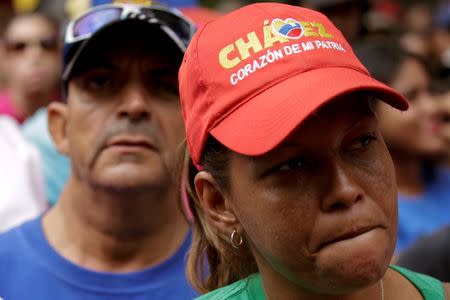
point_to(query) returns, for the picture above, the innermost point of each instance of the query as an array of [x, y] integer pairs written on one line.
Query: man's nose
[[135, 103]]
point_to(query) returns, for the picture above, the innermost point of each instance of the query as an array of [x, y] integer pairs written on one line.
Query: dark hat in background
[[324, 4]]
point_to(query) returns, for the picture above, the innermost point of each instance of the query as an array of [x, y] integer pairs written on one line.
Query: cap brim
[[263, 122]]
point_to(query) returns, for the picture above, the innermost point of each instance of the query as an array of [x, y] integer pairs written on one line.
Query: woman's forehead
[[332, 121], [345, 109]]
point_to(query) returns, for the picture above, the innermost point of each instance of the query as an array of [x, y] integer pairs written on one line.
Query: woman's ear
[[215, 204], [57, 124]]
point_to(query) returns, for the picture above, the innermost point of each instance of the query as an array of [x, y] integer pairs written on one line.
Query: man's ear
[[57, 125], [215, 204]]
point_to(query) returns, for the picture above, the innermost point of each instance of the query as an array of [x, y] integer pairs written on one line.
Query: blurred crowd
[[405, 44]]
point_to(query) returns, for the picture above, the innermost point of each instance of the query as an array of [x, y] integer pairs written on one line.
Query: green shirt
[[250, 288]]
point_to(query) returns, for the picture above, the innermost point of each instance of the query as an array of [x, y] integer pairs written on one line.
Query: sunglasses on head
[[178, 27], [49, 44]]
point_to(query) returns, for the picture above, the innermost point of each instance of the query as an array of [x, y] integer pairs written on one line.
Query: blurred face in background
[[346, 15], [418, 18], [5, 14], [416, 131], [32, 54], [417, 23]]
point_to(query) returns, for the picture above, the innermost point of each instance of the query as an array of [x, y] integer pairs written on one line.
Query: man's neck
[[113, 232]]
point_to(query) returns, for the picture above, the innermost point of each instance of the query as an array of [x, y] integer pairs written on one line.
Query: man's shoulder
[[14, 242], [18, 262]]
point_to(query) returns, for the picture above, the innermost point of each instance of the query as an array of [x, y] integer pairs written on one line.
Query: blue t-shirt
[[31, 269], [424, 214]]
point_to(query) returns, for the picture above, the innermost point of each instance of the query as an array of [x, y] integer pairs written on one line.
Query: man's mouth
[[130, 143]]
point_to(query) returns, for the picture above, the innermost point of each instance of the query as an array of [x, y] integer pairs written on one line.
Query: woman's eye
[[293, 164], [363, 142]]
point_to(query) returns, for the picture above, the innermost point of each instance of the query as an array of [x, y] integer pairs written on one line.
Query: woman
[[414, 139], [291, 185]]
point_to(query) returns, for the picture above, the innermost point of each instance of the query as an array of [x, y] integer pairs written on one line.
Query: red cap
[[251, 77]]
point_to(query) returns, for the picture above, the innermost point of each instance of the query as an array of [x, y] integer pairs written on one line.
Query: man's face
[[32, 57], [123, 118]]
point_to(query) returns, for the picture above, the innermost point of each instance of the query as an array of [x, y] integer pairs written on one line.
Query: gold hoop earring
[[236, 239]]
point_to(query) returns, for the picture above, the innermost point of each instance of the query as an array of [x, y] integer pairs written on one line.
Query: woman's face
[[320, 210], [416, 131]]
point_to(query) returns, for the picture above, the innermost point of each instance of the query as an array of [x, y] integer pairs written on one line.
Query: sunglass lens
[[177, 24], [95, 20]]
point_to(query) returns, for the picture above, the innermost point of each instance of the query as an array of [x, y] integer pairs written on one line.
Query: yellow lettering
[[224, 60], [244, 47], [270, 38], [308, 30], [322, 31]]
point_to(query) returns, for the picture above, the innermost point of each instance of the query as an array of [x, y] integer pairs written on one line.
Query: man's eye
[[98, 82]]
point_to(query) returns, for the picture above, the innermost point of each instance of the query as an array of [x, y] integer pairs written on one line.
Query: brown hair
[[212, 261]]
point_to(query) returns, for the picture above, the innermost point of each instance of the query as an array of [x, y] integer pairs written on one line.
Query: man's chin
[[131, 183], [124, 186], [131, 176]]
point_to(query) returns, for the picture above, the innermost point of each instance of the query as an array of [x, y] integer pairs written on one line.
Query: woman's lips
[[346, 235]]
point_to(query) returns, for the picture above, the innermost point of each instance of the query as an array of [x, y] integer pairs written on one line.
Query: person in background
[[441, 40], [431, 254], [347, 15], [413, 137], [21, 183], [6, 12], [291, 185], [117, 230], [417, 27], [55, 166], [32, 65]]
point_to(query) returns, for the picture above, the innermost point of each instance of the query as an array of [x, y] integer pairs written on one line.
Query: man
[[31, 65], [117, 231]]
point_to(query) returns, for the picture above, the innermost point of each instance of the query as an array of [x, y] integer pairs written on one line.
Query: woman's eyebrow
[[367, 115]]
